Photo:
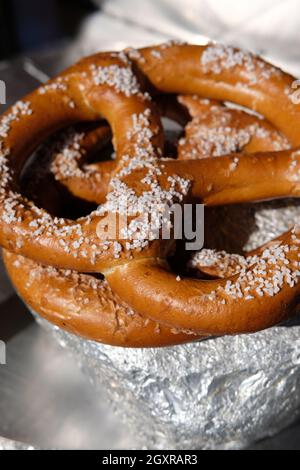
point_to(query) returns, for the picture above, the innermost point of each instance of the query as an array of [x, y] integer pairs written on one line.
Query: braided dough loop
[[31, 231], [217, 130], [211, 307], [92, 98], [74, 301], [86, 306], [235, 304], [225, 74], [90, 181], [214, 130]]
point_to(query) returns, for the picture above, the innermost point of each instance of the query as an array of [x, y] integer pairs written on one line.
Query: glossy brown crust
[[182, 72], [86, 182], [221, 181], [206, 118], [49, 112], [142, 279], [217, 130], [86, 306], [153, 296], [91, 181]]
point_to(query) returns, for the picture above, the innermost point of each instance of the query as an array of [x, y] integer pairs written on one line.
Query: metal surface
[[45, 400], [221, 393]]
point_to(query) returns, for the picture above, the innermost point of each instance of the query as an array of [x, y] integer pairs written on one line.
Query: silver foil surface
[[7, 444], [222, 393]]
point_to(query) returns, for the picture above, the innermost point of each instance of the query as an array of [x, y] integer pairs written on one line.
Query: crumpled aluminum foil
[[7, 444], [222, 393]]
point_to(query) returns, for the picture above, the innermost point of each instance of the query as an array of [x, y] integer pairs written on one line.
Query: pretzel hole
[[38, 182]]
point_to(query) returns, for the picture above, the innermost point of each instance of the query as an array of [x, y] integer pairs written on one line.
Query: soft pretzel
[[265, 290], [65, 157], [215, 130], [68, 154], [69, 299], [86, 306]]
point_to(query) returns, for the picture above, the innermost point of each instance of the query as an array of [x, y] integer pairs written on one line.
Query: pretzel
[[217, 130], [86, 306], [214, 130], [64, 158], [69, 150], [41, 287], [138, 273]]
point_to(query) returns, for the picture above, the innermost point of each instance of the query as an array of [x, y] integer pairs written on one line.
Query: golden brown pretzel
[[90, 181], [69, 299], [226, 74], [48, 290], [86, 306], [85, 91], [65, 158], [214, 130], [254, 299], [217, 130], [75, 96]]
